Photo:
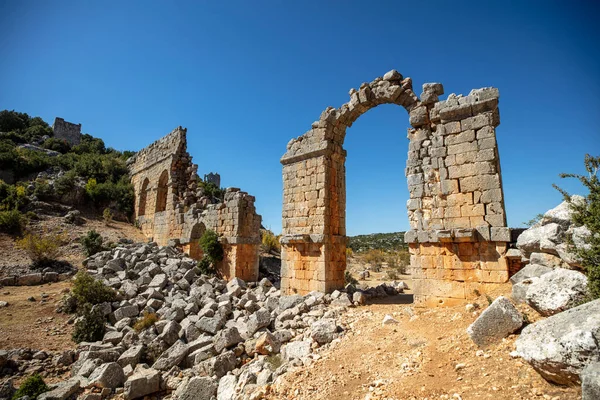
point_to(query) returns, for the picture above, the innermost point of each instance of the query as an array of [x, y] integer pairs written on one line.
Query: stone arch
[[162, 191], [196, 233], [143, 197], [456, 210]]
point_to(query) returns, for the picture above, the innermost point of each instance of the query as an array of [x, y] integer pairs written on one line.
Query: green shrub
[[206, 267], [65, 184], [42, 190], [107, 216], [11, 221], [12, 197], [89, 326], [392, 274], [211, 190], [60, 145], [92, 243], [587, 213], [87, 290], [270, 242], [145, 322], [349, 279], [33, 386], [42, 247], [211, 247]]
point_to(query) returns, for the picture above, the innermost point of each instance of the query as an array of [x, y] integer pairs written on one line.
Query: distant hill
[[382, 241]]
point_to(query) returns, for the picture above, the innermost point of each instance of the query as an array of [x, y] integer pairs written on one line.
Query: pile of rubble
[[564, 348], [212, 337]]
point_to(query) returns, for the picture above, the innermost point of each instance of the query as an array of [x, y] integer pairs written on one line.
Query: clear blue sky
[[245, 77]]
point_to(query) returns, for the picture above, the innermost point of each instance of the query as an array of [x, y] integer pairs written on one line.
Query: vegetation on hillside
[[587, 213], [102, 170], [380, 241]]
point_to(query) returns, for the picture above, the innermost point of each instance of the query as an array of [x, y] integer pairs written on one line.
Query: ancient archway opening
[[143, 197], [161, 192], [195, 251], [376, 194], [458, 237]]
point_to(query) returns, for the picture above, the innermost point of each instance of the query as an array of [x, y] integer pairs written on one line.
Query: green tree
[[587, 213]]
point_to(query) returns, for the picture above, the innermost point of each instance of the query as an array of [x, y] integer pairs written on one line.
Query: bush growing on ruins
[[587, 213], [270, 242], [89, 326], [349, 252], [206, 267], [11, 221], [211, 190], [31, 387], [89, 291], [145, 322], [92, 243], [43, 247], [211, 247]]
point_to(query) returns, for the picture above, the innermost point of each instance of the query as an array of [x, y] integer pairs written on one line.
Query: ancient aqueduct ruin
[[458, 239]]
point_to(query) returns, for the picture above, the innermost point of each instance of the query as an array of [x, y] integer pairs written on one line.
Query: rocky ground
[[237, 340], [427, 354]]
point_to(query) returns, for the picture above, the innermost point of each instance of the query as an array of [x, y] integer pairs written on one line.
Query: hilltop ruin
[[170, 207]]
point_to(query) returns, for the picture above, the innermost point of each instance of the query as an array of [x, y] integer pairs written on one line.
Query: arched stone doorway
[[458, 234], [194, 250], [143, 197], [161, 192]]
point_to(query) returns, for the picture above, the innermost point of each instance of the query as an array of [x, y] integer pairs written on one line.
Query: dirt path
[[34, 324], [427, 355]]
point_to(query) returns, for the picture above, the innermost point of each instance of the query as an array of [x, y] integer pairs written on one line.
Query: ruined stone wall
[[67, 131], [187, 213], [453, 176]]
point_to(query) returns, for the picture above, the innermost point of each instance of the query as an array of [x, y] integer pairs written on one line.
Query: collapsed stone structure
[[458, 237], [67, 131], [170, 206]]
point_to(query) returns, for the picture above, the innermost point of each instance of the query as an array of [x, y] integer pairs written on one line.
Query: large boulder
[[197, 388], [497, 321], [590, 382], [109, 375], [143, 382], [529, 271], [323, 330], [559, 347], [62, 391], [556, 291], [542, 238], [172, 357], [297, 350]]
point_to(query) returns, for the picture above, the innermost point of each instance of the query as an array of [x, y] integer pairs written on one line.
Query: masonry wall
[[453, 176], [188, 212], [67, 131]]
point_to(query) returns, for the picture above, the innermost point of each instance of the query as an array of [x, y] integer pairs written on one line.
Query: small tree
[[92, 243], [587, 213], [213, 252], [107, 215], [44, 247], [89, 327], [32, 387]]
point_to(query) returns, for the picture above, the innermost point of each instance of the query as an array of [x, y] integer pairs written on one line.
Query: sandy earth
[[427, 355]]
